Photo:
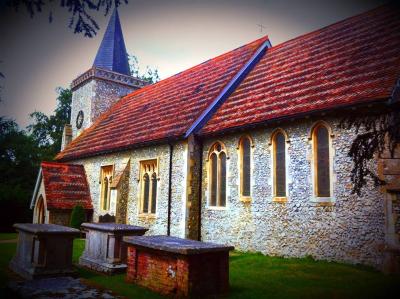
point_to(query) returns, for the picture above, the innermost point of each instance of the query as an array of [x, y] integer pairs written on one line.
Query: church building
[[244, 149]]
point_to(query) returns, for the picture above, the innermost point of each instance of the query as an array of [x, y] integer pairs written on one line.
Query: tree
[[19, 162], [150, 75], [377, 132], [77, 216], [47, 130], [81, 18]]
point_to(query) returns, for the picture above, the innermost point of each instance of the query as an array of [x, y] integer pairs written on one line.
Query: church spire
[[112, 52]]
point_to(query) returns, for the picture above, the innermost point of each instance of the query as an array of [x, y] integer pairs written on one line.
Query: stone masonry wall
[[93, 98], [157, 224], [349, 229]]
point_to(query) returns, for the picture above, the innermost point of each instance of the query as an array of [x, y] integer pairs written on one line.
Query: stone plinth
[[178, 267], [104, 249], [43, 250]]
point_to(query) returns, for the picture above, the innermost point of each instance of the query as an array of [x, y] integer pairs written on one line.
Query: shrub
[[77, 217]]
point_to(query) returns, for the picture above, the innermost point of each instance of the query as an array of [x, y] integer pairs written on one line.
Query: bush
[[77, 217]]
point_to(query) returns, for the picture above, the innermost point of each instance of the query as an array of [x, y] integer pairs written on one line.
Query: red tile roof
[[162, 110], [65, 186], [354, 61]]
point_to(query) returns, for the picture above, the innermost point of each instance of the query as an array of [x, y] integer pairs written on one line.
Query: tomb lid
[[176, 245], [114, 227], [37, 228]]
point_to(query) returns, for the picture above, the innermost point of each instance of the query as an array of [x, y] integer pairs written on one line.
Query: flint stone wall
[[350, 229], [93, 98], [157, 224]]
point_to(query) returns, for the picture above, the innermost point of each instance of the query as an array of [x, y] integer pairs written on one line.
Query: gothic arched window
[[322, 180], [148, 202], [279, 163], [153, 192], [217, 171], [106, 177], [245, 166]]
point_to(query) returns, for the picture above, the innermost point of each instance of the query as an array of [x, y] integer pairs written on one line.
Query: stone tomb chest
[[43, 250], [104, 249], [178, 267]]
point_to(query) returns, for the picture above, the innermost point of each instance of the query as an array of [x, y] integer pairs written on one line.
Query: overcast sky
[[171, 35]]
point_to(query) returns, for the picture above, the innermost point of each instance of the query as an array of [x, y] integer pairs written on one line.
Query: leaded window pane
[[280, 165], [222, 180], [105, 193], [146, 189], [246, 156], [214, 176], [153, 192], [322, 159]]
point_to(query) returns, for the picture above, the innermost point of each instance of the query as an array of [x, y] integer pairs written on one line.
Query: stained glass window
[[321, 144], [245, 152], [217, 160], [280, 164]]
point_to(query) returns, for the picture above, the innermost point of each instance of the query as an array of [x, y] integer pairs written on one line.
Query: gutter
[[171, 149], [228, 89]]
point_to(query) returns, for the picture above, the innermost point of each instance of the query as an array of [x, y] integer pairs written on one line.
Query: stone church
[[243, 149]]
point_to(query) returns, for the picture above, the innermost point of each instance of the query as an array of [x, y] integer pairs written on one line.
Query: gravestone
[[43, 250], [104, 249], [178, 267]]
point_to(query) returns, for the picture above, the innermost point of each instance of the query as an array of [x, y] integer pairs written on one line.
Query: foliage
[[19, 161], [377, 132], [47, 130], [81, 19], [150, 75], [77, 217]]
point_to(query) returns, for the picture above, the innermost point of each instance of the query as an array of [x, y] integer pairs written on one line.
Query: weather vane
[[261, 27]]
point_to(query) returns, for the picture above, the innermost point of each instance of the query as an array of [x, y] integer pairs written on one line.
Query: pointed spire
[[112, 52]]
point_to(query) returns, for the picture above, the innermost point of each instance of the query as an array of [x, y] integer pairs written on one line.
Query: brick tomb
[[104, 249], [179, 267], [43, 250]]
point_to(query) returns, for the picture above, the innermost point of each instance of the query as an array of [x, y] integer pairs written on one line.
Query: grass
[[258, 276], [7, 236]]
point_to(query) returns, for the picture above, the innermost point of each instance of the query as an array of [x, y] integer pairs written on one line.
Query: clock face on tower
[[79, 120]]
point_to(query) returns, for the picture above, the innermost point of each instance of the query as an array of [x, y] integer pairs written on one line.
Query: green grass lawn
[[7, 236], [258, 276]]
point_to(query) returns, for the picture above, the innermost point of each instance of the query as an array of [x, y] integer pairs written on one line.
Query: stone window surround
[[148, 215], [316, 199], [239, 149], [271, 145], [101, 181], [208, 190]]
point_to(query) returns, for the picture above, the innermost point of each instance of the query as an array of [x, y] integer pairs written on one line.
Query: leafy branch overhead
[[81, 18]]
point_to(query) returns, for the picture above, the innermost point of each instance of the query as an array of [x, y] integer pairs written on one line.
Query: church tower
[[105, 83]]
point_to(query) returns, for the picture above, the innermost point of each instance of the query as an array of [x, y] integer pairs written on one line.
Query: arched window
[[106, 177], [105, 193], [279, 162], [153, 192], [148, 202], [245, 170], [322, 181], [217, 171]]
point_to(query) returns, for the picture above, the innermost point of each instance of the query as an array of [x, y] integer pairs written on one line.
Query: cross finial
[[261, 27]]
